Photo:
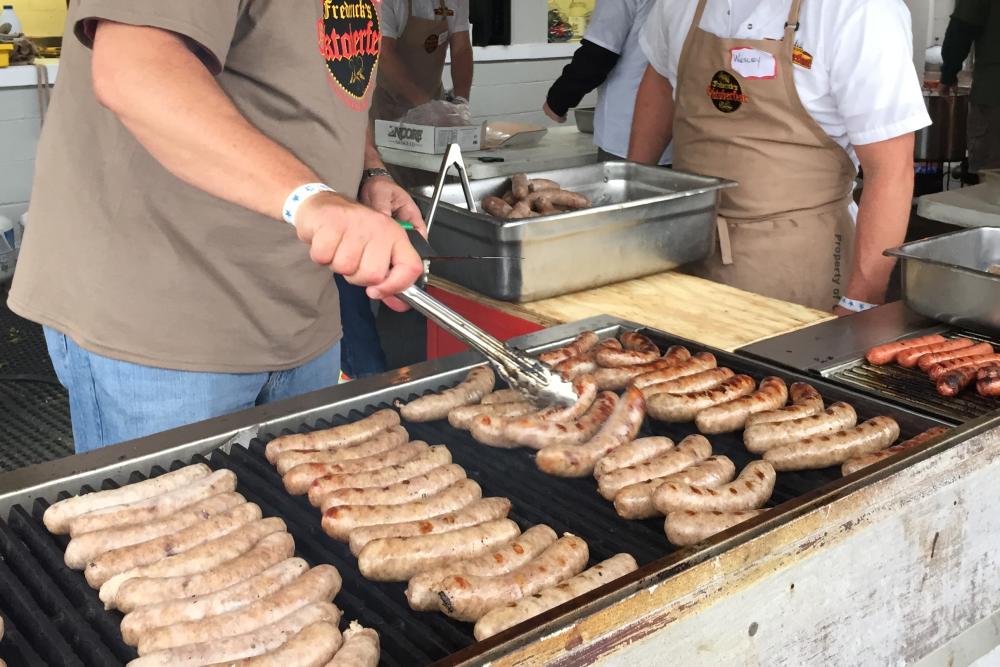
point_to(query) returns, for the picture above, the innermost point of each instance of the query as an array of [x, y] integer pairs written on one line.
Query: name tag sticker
[[752, 63]]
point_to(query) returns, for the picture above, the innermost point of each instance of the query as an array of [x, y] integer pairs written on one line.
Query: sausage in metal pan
[[380, 444], [539, 433], [520, 186], [578, 460], [699, 363], [421, 591], [885, 354], [585, 342], [937, 371], [497, 207], [407, 490], [473, 514], [435, 456], [749, 491], [508, 616], [687, 384], [400, 558], [637, 451], [638, 349], [910, 357], [333, 438], [469, 597], [617, 379], [685, 407], [687, 527], [298, 479], [636, 500], [835, 448], [761, 437], [313, 646], [805, 402], [928, 361], [692, 449], [732, 416], [478, 383], [859, 462], [360, 649]]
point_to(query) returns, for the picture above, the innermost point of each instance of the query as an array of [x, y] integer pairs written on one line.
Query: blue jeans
[[362, 352], [113, 401]]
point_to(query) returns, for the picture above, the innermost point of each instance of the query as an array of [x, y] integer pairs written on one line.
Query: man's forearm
[[461, 65], [397, 76], [175, 108], [373, 160], [652, 123], [883, 217]]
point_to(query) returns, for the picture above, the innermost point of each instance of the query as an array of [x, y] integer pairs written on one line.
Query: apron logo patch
[[726, 93], [431, 43], [801, 57], [350, 39]]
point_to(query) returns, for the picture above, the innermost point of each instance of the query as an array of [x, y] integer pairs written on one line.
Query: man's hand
[[368, 248], [385, 196], [946, 89], [552, 114]]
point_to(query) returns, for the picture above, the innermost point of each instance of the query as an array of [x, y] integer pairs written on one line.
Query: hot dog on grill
[[834, 448], [989, 387], [333, 438], [298, 479], [686, 528], [380, 444], [761, 437], [909, 357], [692, 449], [805, 400], [937, 371], [928, 361], [478, 383], [750, 490], [685, 407], [954, 382], [732, 416], [885, 354]]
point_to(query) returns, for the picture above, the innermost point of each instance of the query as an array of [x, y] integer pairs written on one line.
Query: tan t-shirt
[[132, 263]]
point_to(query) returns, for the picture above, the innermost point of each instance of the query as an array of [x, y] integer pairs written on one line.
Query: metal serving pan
[[644, 220], [947, 277]]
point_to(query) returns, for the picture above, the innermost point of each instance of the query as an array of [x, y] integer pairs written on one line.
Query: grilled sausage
[[313, 646], [691, 450], [539, 433], [585, 388], [298, 479], [616, 379], [497, 207], [229, 649], [333, 438], [319, 584], [503, 396], [990, 387], [360, 649], [834, 448], [582, 343], [144, 619], [637, 451], [462, 416], [478, 383], [578, 460], [928, 361], [686, 528], [400, 558], [84, 548], [338, 522], [988, 373], [438, 455], [910, 357], [480, 511], [759, 438], [519, 186], [732, 416], [507, 616], [58, 516], [805, 400], [702, 381], [110, 563], [638, 349], [208, 568], [369, 449], [636, 500], [937, 371], [859, 462], [408, 490], [885, 354], [954, 382], [750, 490], [421, 591], [584, 363], [699, 363], [685, 407], [469, 597]]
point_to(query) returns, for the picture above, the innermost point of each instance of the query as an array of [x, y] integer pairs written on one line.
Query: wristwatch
[[372, 173]]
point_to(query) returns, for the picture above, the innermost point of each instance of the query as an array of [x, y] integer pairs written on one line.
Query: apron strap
[[725, 243], [682, 61], [791, 26]]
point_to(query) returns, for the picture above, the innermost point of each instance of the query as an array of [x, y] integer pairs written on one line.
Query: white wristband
[[299, 196], [855, 306]]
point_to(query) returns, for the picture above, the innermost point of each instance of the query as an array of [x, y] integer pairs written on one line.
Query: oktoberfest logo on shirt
[[350, 39]]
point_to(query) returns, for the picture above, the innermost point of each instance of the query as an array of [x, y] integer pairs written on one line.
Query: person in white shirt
[[610, 57], [416, 35], [788, 98]]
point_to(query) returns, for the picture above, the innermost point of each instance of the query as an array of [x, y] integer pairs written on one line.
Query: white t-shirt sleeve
[[393, 18], [460, 21], [872, 77], [656, 41], [610, 23]]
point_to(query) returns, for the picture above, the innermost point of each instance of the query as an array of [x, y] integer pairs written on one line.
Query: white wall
[[19, 129]]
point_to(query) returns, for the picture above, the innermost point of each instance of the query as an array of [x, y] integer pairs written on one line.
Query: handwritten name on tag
[[752, 63]]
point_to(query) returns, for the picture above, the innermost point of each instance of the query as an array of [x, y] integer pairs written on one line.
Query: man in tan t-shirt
[[181, 139]]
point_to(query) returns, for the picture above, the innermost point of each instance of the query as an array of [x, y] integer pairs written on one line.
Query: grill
[[54, 618], [911, 387]]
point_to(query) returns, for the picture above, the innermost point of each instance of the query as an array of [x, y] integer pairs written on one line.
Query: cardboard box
[[427, 138]]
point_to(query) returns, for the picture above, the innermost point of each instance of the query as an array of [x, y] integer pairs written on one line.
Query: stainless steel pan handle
[[452, 158]]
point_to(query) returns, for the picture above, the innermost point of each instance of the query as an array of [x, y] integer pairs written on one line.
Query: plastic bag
[[440, 113]]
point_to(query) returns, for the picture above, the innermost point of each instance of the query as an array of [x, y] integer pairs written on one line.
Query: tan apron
[[786, 231], [421, 50]]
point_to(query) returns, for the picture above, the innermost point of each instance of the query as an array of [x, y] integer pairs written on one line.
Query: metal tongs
[[516, 368]]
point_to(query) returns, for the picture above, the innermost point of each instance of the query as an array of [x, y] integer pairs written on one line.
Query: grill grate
[[89, 635], [912, 387]]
